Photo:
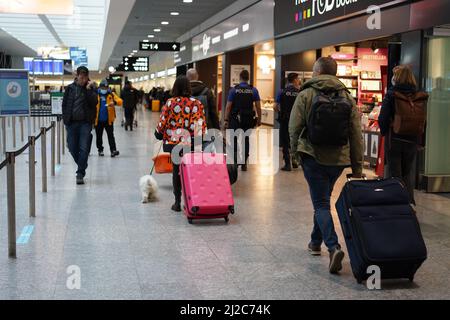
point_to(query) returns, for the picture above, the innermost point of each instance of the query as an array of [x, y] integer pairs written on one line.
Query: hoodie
[[350, 155]]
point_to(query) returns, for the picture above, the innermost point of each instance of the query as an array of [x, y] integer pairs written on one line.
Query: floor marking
[[25, 235]]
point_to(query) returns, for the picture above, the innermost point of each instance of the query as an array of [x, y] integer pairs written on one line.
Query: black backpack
[[329, 121]]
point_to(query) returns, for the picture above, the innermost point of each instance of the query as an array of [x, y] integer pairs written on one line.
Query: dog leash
[[154, 162]]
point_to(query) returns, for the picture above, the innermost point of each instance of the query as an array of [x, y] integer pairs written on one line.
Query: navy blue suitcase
[[381, 229]]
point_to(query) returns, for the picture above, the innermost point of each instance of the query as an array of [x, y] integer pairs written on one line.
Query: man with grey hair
[[205, 95], [325, 131]]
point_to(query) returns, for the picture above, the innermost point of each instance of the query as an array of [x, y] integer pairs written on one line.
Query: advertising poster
[[57, 100], [235, 73], [14, 92]]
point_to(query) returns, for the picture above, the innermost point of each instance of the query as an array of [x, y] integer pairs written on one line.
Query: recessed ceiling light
[[157, 30], [150, 36], [187, 1], [145, 40], [165, 23], [174, 13]]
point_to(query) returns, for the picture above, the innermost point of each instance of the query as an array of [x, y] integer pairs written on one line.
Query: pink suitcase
[[206, 187]]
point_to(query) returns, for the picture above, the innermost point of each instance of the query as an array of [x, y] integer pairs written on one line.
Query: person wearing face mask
[[106, 115]]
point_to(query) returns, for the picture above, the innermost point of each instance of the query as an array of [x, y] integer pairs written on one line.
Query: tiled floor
[[127, 250]]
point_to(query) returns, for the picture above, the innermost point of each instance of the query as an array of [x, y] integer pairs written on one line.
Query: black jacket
[[387, 113], [79, 104], [130, 97], [212, 118]]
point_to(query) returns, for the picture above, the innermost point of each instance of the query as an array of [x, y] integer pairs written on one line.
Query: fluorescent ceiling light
[[174, 13]]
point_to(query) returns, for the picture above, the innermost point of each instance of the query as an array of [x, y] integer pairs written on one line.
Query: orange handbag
[[163, 163]]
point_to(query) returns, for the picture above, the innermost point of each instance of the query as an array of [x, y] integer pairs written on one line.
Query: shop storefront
[[243, 41], [367, 45]]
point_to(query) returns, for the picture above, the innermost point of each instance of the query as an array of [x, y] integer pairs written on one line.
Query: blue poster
[[14, 92], [79, 57]]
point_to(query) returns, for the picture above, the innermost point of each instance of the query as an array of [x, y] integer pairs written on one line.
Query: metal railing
[[9, 162]]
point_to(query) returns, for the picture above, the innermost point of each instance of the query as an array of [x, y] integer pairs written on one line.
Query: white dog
[[149, 189]]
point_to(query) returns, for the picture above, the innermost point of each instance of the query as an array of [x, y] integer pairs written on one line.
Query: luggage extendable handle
[[350, 177]]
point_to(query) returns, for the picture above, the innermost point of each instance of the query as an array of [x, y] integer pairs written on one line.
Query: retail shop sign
[[14, 93], [300, 14]]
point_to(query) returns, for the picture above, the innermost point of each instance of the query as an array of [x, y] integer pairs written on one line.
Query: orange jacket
[[112, 99]]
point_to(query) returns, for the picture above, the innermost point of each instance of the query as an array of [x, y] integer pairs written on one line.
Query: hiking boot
[[336, 257], [115, 154], [314, 250]]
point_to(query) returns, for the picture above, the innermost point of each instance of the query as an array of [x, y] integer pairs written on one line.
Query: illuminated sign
[[134, 64], [159, 46], [295, 15]]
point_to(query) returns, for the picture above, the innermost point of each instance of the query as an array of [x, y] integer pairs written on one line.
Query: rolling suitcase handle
[[350, 177]]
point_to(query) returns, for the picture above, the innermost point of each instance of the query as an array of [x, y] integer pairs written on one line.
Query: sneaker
[[286, 168], [101, 154], [336, 257], [80, 180], [176, 207], [314, 250], [115, 154]]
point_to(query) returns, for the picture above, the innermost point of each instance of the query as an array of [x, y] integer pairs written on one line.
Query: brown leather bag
[[410, 113]]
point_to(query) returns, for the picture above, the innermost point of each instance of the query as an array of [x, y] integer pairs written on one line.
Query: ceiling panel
[[148, 15]]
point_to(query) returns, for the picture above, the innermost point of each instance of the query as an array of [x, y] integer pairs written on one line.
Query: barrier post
[[63, 138], [32, 175], [14, 131], [11, 195], [58, 142], [44, 159], [4, 135], [21, 129], [53, 147]]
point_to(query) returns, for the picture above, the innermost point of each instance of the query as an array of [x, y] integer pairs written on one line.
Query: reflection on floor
[[127, 250]]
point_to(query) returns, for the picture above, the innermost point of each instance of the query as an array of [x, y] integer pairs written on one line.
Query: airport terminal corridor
[[124, 249]]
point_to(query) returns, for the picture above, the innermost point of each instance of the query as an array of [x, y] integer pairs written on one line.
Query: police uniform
[[242, 115], [286, 100]]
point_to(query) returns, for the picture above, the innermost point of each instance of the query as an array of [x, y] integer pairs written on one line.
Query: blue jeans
[[321, 180], [79, 142]]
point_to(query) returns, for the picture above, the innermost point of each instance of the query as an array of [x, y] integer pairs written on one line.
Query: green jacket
[[349, 155]]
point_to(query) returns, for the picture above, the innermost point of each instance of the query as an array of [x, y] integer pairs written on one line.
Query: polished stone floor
[[127, 250]]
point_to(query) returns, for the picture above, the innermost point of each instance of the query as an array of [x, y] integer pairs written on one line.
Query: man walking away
[[285, 100], [130, 97], [205, 95], [106, 115], [325, 130], [79, 108], [240, 112]]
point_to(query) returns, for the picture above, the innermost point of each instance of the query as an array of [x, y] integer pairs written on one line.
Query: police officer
[[285, 100], [240, 112]]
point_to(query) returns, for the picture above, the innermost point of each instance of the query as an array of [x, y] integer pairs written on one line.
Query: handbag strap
[[154, 162]]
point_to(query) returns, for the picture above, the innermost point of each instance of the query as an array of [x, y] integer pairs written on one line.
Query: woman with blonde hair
[[402, 148]]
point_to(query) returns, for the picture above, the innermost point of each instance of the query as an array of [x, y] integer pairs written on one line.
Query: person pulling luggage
[[285, 100], [240, 114], [325, 131], [106, 115], [181, 114]]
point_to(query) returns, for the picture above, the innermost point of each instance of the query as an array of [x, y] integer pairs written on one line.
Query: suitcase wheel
[[227, 219], [359, 281], [191, 221], [411, 279], [232, 211]]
